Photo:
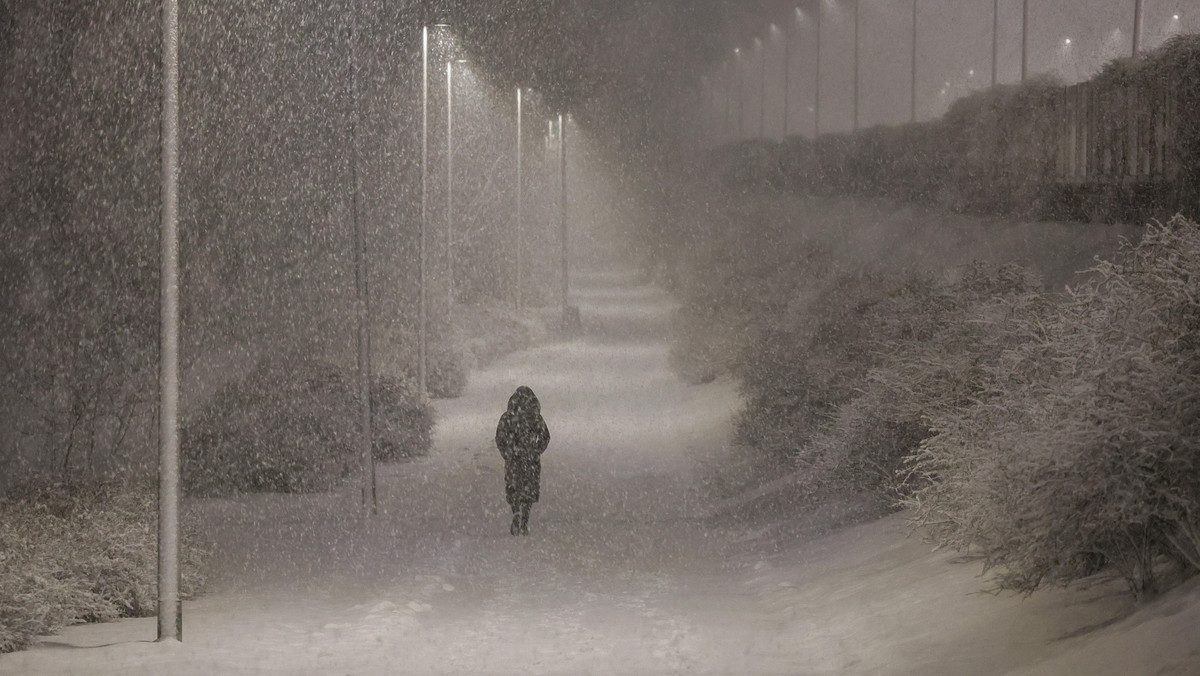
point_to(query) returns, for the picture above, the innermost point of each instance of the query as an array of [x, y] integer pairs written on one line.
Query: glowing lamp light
[[1067, 42]]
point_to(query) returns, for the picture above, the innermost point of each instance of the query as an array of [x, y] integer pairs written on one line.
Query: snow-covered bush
[[847, 382], [291, 426], [1082, 445], [81, 553]]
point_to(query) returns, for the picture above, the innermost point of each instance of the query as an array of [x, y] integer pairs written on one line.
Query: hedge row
[[993, 152]]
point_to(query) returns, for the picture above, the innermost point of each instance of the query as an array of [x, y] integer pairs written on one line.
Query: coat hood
[[524, 401]]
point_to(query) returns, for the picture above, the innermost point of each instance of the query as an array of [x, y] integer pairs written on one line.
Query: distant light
[[1067, 41], [1175, 17], [737, 50], [971, 72]]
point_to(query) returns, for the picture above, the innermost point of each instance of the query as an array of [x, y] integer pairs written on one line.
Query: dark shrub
[[291, 425], [74, 553]]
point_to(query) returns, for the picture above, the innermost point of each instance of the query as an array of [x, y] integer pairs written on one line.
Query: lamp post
[[817, 84], [1024, 39], [361, 298], [855, 121], [562, 214], [787, 70], [912, 97], [1137, 26], [762, 87], [520, 226], [741, 129], [728, 87], [450, 184], [422, 320], [170, 612], [995, 38]]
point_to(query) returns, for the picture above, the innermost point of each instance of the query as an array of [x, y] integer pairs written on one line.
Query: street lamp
[[520, 227], [1137, 26], [787, 68], [1024, 39], [450, 184], [562, 168], [855, 121], [737, 54], [423, 321], [912, 110], [762, 87], [170, 614], [995, 38], [817, 84]]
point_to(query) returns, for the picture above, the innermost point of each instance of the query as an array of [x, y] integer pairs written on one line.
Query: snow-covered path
[[619, 575], [622, 574]]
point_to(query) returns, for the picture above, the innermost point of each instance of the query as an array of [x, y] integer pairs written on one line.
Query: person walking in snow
[[522, 437]]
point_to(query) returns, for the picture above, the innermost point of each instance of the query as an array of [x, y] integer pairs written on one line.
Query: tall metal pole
[[762, 89], [450, 187], [423, 319], [787, 71], [520, 211], [562, 213], [362, 311], [817, 84], [995, 41], [1024, 39], [170, 610], [855, 122], [728, 87], [1137, 26], [742, 99], [912, 96]]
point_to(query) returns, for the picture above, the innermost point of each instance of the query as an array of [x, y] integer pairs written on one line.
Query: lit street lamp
[[562, 169], [450, 184], [520, 225], [762, 87], [855, 122], [423, 321], [741, 128]]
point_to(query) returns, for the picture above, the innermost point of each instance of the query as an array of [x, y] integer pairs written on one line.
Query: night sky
[[633, 67]]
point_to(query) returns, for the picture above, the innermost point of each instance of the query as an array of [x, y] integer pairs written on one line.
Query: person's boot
[[515, 529], [525, 518]]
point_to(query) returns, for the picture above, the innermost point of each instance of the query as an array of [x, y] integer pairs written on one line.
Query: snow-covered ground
[[626, 570]]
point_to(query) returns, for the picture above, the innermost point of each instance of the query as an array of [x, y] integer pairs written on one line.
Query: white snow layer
[[622, 574]]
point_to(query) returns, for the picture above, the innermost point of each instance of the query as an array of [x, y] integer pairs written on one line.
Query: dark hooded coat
[[522, 437]]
